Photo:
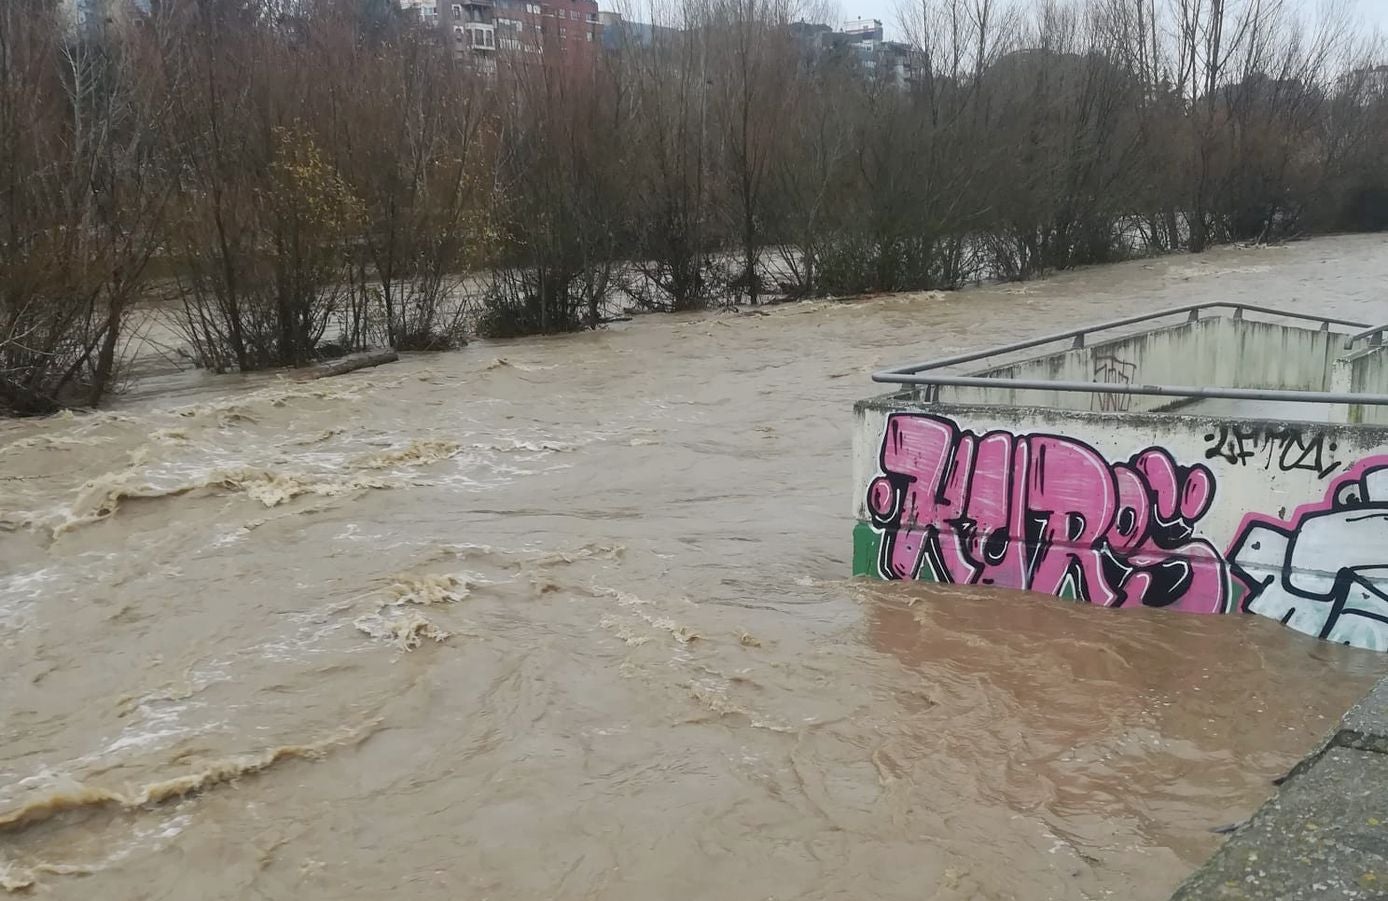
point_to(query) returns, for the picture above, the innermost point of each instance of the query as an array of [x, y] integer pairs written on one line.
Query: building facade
[[427, 10], [886, 62], [863, 30], [92, 18], [1369, 83], [564, 33]]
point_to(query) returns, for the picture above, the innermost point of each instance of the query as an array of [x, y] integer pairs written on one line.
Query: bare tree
[[80, 217], [314, 176], [557, 203], [754, 84], [411, 133], [664, 70]]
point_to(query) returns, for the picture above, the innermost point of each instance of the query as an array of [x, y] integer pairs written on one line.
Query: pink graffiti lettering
[[1044, 513]]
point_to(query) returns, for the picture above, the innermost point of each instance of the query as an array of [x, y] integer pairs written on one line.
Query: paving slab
[[1325, 835], [1366, 724]]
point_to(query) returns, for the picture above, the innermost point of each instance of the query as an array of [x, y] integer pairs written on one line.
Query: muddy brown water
[[569, 618]]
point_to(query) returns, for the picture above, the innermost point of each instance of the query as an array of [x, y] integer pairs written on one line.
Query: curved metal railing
[[924, 374], [1373, 333]]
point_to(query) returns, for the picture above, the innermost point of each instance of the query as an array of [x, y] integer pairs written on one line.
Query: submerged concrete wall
[[1207, 514]]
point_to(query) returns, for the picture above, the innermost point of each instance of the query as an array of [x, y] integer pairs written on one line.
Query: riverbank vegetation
[[290, 179]]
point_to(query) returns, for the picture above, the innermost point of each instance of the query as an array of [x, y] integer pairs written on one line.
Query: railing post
[[1194, 316], [1342, 382], [928, 394]]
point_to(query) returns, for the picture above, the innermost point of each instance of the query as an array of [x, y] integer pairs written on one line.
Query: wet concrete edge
[[1325, 834]]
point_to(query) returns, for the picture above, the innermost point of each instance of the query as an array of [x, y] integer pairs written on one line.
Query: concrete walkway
[[1325, 835]]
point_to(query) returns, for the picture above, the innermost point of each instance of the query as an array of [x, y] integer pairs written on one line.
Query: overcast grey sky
[[1373, 13]]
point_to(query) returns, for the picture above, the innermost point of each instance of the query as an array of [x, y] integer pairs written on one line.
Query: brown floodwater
[[569, 618]]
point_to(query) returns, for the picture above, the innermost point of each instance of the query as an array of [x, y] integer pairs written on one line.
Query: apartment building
[[91, 18], [887, 62], [565, 33], [427, 10]]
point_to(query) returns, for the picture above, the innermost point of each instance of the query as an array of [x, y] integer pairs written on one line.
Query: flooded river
[[569, 618]]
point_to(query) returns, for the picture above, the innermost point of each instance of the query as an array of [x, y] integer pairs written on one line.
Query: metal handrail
[[911, 374], [1374, 333], [1193, 310]]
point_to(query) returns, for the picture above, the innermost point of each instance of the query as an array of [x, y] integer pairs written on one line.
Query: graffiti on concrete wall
[[1324, 570], [1113, 371], [1045, 513], [1282, 448], [1049, 513]]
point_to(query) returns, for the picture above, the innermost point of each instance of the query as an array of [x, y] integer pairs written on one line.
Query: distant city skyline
[[1372, 14]]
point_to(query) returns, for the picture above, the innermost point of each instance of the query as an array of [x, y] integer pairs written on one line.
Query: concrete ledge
[[1366, 724], [1325, 835]]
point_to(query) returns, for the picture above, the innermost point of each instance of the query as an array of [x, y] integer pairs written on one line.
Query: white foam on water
[[20, 592], [160, 726]]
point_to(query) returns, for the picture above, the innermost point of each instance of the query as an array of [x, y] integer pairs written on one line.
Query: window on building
[[533, 8], [563, 32], [459, 31], [590, 37], [593, 17], [457, 10]]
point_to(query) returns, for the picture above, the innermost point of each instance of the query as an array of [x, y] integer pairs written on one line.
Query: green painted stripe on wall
[[867, 550]]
